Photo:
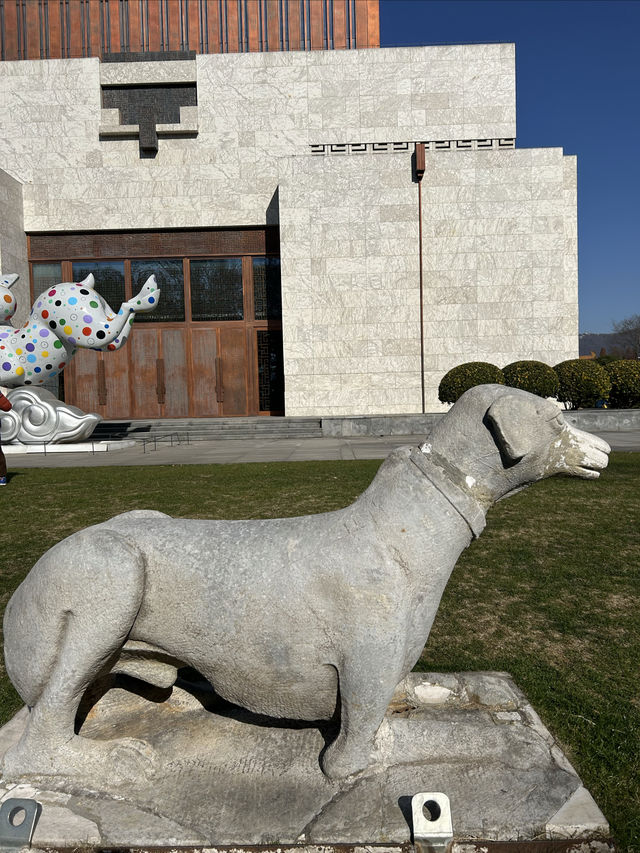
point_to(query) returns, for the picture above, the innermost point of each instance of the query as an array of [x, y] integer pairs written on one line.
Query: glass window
[[45, 276], [170, 278], [109, 279], [216, 289], [266, 289]]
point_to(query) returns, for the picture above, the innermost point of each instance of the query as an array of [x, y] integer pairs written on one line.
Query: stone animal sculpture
[[296, 617], [63, 318]]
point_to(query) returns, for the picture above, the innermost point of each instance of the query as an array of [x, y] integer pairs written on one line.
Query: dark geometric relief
[[150, 56], [270, 371], [148, 106]]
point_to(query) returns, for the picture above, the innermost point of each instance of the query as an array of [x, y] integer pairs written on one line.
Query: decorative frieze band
[[430, 145]]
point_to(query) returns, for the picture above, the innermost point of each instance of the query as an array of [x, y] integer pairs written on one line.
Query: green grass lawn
[[550, 592]]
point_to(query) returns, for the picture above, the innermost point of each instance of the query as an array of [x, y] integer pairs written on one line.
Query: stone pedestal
[[199, 772]]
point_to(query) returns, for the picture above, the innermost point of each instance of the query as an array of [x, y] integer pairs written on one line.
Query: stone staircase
[[208, 429]]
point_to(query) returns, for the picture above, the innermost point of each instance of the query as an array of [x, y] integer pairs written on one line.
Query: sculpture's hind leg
[[91, 586]]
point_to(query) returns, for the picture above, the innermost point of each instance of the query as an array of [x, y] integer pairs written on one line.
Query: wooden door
[[232, 378], [114, 367], [82, 376], [176, 372], [99, 382], [204, 386], [146, 370]]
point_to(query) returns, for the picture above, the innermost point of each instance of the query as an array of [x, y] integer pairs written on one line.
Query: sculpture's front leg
[[365, 694]]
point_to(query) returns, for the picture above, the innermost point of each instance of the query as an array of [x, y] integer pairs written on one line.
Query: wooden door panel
[[174, 354], [144, 373], [116, 380], [81, 382], [204, 350], [233, 357]]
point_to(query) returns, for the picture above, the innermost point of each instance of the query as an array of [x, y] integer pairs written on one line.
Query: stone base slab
[[198, 772], [78, 447]]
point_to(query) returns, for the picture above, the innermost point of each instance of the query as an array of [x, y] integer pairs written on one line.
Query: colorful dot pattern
[[68, 316], [8, 303]]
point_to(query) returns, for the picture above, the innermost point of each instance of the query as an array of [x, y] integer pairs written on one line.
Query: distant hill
[[594, 343]]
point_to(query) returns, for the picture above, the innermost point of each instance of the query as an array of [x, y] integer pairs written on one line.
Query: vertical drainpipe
[[418, 169]]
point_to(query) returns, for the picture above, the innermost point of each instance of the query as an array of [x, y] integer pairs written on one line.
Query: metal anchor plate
[[18, 820], [432, 824]]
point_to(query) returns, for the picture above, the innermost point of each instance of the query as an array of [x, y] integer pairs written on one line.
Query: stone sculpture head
[[518, 438]]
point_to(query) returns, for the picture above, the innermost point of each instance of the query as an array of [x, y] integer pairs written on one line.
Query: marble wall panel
[[13, 244], [491, 287], [139, 73]]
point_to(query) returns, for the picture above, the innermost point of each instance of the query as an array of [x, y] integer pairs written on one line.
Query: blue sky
[[578, 87]]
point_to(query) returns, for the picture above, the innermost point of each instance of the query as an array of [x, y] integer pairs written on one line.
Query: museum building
[[333, 224]]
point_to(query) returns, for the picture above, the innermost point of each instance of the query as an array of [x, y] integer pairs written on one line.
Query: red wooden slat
[[33, 31], [294, 25], [317, 41], [339, 24], [94, 28], [253, 25], [112, 23], [213, 24], [193, 32], [154, 25], [273, 24], [172, 37], [362, 24], [11, 29], [75, 29], [373, 19], [233, 27], [135, 44]]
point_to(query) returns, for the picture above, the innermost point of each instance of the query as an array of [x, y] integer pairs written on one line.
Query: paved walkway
[[251, 450]]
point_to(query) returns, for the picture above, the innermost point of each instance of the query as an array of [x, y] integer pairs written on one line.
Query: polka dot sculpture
[[63, 318], [7, 299]]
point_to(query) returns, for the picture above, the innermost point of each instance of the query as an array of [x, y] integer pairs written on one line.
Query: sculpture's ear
[[512, 421], [89, 281], [10, 279]]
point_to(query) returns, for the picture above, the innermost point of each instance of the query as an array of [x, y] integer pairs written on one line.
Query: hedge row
[[578, 383]]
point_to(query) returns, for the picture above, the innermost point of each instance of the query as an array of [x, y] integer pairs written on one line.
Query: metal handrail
[[173, 437]]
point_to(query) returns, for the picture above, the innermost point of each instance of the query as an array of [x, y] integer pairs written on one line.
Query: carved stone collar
[[439, 470]]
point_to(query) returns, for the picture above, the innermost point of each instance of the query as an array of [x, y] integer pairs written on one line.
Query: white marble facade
[[498, 224]]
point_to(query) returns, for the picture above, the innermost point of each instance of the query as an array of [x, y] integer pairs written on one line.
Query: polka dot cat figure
[[63, 318]]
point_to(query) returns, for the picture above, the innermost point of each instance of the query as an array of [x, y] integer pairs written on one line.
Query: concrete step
[[210, 428]]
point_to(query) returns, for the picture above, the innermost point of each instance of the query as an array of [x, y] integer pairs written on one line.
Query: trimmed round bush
[[536, 377], [582, 383], [459, 379], [625, 383]]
